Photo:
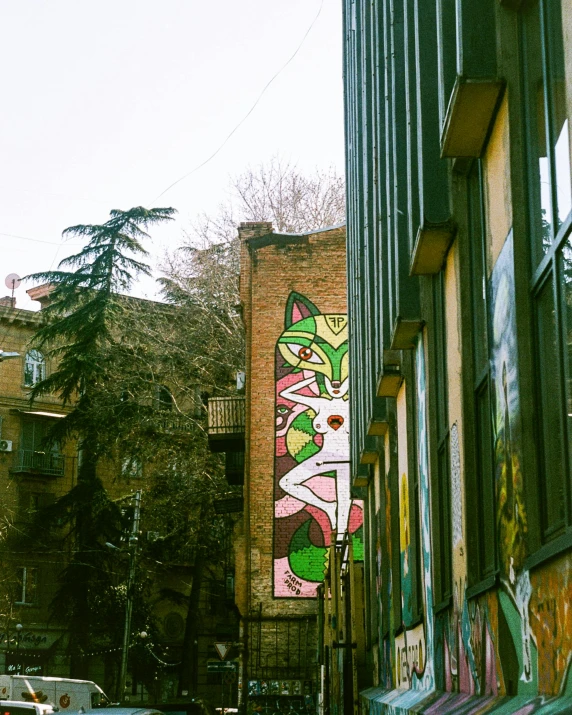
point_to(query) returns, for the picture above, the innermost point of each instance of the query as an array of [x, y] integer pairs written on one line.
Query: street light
[[6, 356], [132, 551], [19, 628]]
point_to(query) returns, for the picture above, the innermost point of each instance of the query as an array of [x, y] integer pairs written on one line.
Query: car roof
[[120, 711], [27, 704]]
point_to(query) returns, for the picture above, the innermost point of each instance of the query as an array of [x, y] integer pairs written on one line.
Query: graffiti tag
[[292, 583]]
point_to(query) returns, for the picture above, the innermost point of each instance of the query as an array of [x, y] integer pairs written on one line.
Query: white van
[[18, 707], [63, 693]]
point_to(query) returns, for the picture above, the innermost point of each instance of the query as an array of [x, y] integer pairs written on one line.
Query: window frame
[[440, 458], [39, 367], [546, 539], [481, 522], [22, 582]]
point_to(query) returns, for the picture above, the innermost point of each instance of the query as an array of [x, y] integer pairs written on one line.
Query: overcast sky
[[107, 103]]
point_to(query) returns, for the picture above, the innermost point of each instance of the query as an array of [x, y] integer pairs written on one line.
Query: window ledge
[[370, 451], [361, 476], [470, 114], [550, 550], [431, 246], [405, 334], [485, 585]]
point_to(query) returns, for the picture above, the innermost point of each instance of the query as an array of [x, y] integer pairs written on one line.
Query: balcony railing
[[48, 463], [226, 419], [226, 415], [173, 423]]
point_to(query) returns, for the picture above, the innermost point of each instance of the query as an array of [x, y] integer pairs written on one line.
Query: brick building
[[295, 441], [33, 476]]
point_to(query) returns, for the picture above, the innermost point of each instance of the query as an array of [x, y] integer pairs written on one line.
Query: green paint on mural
[[300, 439], [309, 450], [306, 560], [513, 619], [357, 543]]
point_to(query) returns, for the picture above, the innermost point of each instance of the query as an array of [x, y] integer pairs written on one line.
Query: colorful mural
[[511, 514], [312, 476], [426, 678]]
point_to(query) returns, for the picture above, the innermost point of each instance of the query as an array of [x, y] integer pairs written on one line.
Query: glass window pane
[[559, 136], [31, 585], [539, 171], [476, 238], [34, 368], [562, 165], [550, 420], [566, 283], [486, 486], [444, 582]]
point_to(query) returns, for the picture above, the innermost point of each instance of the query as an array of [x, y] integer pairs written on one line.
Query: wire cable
[[241, 122]]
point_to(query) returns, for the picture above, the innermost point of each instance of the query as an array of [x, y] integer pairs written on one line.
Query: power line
[[36, 240], [241, 122]]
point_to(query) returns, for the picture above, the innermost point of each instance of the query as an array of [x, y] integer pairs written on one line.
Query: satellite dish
[[12, 281]]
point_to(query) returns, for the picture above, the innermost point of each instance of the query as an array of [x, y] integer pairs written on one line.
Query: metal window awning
[[38, 413]]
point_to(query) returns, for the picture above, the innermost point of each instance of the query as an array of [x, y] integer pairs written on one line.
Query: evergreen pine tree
[[81, 334]]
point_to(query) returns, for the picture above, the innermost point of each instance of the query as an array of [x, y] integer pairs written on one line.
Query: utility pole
[[132, 550]]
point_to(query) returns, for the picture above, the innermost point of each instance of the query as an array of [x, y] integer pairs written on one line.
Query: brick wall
[[272, 266]]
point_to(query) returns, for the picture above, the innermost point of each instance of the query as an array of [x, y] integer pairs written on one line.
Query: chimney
[[253, 229], [41, 294]]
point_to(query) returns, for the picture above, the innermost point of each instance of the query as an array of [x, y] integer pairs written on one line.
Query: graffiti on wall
[[426, 677], [511, 515], [312, 475]]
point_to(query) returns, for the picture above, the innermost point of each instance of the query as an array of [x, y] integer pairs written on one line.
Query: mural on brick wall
[[312, 476]]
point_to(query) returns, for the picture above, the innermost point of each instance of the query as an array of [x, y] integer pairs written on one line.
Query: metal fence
[[50, 463]]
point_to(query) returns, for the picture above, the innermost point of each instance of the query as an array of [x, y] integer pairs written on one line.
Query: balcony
[[174, 423], [226, 419], [29, 461]]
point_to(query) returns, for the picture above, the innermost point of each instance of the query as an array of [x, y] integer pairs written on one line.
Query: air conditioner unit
[[5, 445]]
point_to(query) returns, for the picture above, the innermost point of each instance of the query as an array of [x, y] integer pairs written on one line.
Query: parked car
[[21, 707], [65, 694], [197, 707], [121, 711]]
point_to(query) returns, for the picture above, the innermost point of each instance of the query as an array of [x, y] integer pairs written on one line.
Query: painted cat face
[[317, 342]]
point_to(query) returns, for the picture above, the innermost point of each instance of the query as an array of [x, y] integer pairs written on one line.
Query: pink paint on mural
[[311, 486]]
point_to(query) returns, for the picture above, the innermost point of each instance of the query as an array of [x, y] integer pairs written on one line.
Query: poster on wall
[[312, 471]]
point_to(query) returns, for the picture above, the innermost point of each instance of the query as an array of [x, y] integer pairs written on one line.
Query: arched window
[[34, 368], [164, 399]]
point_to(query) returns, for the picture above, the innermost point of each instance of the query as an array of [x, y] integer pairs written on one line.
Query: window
[[546, 122], [34, 368], [441, 497], [550, 203], [480, 479], [163, 398], [36, 453], [27, 586], [30, 503], [132, 468]]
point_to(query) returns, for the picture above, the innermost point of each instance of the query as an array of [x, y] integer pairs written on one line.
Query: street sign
[[222, 649], [222, 666]]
